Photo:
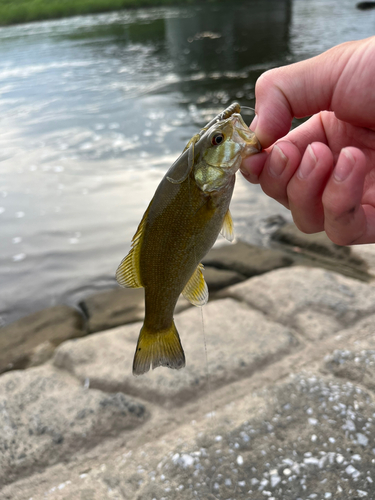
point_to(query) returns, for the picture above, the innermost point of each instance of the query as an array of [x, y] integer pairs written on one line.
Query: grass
[[24, 11]]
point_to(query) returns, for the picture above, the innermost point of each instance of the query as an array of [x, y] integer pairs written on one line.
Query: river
[[94, 109]]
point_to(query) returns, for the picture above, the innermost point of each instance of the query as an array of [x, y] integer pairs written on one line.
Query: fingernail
[[344, 165], [307, 164], [278, 161], [253, 124]]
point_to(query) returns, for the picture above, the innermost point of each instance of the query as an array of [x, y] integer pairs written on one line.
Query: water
[[93, 110]]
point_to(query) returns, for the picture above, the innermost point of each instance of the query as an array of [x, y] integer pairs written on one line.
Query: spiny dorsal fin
[[227, 229], [196, 290], [128, 272]]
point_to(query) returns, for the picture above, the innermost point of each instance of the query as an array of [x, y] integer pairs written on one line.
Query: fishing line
[[248, 107], [212, 412], [251, 112]]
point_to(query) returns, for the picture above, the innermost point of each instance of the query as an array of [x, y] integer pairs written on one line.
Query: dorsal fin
[[227, 229], [196, 291], [128, 272]]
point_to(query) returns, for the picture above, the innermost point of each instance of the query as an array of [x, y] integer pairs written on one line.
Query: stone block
[[238, 341], [308, 438], [308, 443], [32, 340], [47, 416], [116, 307], [314, 301], [217, 279], [318, 250], [246, 259], [112, 308], [358, 366], [317, 243]]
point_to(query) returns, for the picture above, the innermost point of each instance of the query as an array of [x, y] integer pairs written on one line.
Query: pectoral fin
[[196, 290], [227, 229], [128, 272]]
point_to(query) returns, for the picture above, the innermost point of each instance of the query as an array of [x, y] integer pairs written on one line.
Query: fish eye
[[217, 139]]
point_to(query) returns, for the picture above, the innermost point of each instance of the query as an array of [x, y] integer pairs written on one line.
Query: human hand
[[323, 170]]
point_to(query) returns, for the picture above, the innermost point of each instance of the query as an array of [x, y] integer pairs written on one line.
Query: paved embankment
[[282, 406]]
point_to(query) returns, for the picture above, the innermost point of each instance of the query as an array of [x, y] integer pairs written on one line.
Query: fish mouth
[[244, 136]]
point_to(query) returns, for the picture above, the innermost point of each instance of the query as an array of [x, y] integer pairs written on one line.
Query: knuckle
[[269, 189], [334, 205], [339, 238], [265, 80], [294, 196], [275, 191], [250, 177], [305, 226], [300, 225], [340, 212]]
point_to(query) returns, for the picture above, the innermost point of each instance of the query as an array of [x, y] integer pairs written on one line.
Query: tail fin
[[158, 349]]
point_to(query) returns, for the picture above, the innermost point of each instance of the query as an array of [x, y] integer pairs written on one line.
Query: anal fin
[[196, 291]]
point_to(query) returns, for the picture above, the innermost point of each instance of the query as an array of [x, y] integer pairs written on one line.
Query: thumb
[[310, 86]]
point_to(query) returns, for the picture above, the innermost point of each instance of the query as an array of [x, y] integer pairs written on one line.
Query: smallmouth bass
[[189, 209]]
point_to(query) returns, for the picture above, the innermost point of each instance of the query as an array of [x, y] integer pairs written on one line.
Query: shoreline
[[314, 250], [33, 339], [27, 11]]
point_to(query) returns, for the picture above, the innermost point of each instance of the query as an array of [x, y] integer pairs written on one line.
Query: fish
[[183, 220]]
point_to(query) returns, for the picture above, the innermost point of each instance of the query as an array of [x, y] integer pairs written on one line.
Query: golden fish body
[[189, 209]]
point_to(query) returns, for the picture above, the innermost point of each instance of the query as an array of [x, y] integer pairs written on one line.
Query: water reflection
[[250, 34], [93, 110]]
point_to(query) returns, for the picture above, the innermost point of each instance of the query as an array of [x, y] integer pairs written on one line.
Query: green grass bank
[[24, 11]]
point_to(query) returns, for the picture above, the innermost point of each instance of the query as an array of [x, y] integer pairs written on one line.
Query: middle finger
[[306, 188]]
